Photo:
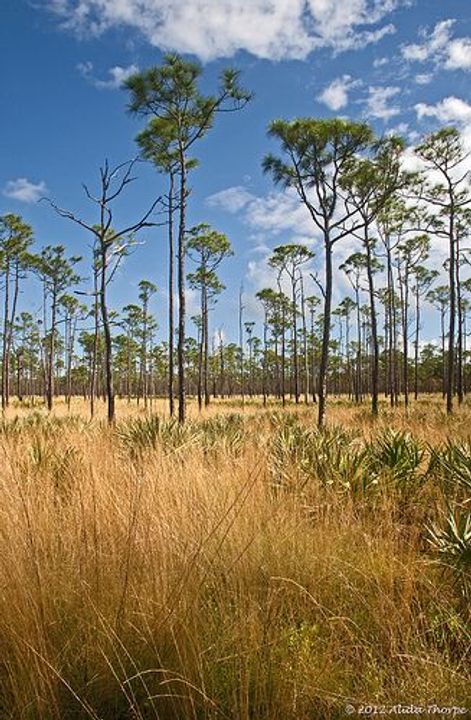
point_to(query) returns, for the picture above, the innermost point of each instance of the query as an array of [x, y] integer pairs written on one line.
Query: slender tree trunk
[[374, 327], [6, 316], [459, 319], [222, 381], [52, 352], [145, 379], [181, 292], [313, 359], [444, 369], [404, 286], [416, 344], [107, 338], [295, 341], [200, 360], [347, 351], [94, 359], [283, 357], [306, 358], [324, 361], [452, 317], [171, 329], [264, 368], [358, 395], [70, 354], [19, 373], [241, 343], [392, 329], [206, 348], [9, 337]]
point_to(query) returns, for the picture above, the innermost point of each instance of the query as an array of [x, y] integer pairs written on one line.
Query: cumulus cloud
[[232, 199], [440, 48], [377, 103], [459, 54], [116, 75], [24, 190], [275, 212], [273, 29], [449, 110], [335, 95], [280, 212]]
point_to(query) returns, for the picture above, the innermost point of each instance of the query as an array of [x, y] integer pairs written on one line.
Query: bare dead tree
[[112, 246]]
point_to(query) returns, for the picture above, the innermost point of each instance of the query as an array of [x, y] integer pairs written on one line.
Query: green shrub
[[396, 456], [140, 434]]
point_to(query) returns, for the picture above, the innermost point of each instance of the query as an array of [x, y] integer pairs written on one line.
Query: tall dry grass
[[149, 572]]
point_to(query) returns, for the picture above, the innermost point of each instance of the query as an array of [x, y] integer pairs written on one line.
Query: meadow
[[244, 566]]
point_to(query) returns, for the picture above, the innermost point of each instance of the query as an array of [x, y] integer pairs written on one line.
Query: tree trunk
[[241, 342], [181, 292], [459, 318], [264, 367], [52, 350], [358, 395], [93, 369], [306, 358], [324, 362], [295, 341], [417, 336], [200, 360], [6, 315], [171, 330], [374, 327], [444, 370], [107, 338], [283, 357], [206, 347], [451, 330]]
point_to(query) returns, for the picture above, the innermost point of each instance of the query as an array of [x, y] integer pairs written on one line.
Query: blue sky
[[401, 65]]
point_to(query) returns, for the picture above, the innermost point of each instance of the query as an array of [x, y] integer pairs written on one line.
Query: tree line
[[356, 191]]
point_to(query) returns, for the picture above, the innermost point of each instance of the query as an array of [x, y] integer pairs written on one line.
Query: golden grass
[[177, 583]]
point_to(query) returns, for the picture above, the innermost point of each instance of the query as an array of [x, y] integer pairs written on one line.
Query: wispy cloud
[[24, 190], [116, 75], [273, 213], [232, 199], [210, 29], [423, 78], [378, 102], [440, 48], [336, 94]]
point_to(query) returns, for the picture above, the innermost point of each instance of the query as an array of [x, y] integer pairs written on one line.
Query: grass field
[[244, 566]]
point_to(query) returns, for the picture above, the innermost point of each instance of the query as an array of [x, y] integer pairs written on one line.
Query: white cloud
[[273, 29], [377, 103], [278, 212], [423, 78], [400, 129], [24, 190], [434, 42], [379, 62], [448, 110], [459, 54], [232, 199], [117, 75], [335, 95], [440, 48], [273, 213]]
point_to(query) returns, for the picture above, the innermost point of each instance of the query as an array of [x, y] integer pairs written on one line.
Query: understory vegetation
[[243, 565]]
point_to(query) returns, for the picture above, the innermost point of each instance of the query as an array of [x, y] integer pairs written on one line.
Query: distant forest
[[354, 186]]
